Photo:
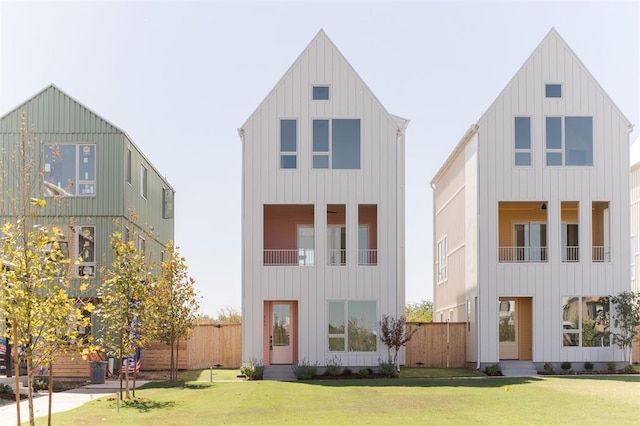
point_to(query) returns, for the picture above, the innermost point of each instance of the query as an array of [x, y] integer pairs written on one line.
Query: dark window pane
[[578, 141], [554, 132], [288, 161], [320, 135], [553, 90], [523, 132], [321, 161], [345, 146], [523, 158], [321, 93], [554, 159], [288, 135]]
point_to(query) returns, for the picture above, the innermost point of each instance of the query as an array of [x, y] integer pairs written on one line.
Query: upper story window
[[522, 141], [142, 244], [143, 181], [288, 144], [442, 260], [336, 144], [128, 165], [553, 90], [85, 247], [167, 203], [571, 147], [69, 170], [320, 93]]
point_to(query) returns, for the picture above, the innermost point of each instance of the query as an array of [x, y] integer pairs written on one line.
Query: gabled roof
[[474, 127], [400, 122], [9, 120]]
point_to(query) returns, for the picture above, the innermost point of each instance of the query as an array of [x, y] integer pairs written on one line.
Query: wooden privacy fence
[[436, 344]]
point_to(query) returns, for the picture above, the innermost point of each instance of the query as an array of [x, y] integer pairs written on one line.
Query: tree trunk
[[16, 369], [50, 393], [29, 359], [172, 360]]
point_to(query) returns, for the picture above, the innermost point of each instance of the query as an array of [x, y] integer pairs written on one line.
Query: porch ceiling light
[[543, 206]]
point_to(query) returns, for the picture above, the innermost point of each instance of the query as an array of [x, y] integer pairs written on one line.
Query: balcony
[[522, 232], [522, 254], [288, 238]]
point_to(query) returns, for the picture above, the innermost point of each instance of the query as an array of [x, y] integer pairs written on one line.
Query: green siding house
[[94, 178]]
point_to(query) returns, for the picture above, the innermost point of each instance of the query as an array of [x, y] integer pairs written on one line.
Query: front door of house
[[508, 329], [280, 339]]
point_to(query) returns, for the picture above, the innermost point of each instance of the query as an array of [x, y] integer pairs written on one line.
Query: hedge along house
[[95, 181], [531, 218], [322, 216]]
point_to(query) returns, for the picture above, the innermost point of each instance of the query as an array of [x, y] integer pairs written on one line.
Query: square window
[[523, 158], [553, 90], [288, 162], [320, 93], [69, 170]]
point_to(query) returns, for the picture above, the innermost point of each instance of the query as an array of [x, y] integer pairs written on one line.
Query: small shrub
[[305, 370], [588, 366], [611, 366], [388, 368], [41, 384], [347, 371], [629, 369], [566, 366], [4, 388], [493, 370], [334, 366], [548, 368], [364, 372], [252, 370]]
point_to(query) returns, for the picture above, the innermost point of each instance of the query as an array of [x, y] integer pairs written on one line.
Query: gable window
[[571, 146], [352, 326], [522, 141], [552, 90], [442, 260], [128, 166], [69, 170], [336, 144], [143, 181], [85, 247], [288, 144], [585, 321], [320, 93]]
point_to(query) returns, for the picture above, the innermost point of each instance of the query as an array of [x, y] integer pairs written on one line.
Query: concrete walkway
[[282, 373], [62, 401]]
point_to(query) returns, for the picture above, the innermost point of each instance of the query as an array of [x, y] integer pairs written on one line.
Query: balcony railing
[[570, 254], [289, 257], [600, 254], [337, 257], [368, 257], [522, 254]]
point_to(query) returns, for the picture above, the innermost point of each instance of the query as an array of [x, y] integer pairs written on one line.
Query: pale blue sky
[[181, 77]]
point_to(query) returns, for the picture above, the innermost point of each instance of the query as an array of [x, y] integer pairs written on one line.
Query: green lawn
[[473, 400]]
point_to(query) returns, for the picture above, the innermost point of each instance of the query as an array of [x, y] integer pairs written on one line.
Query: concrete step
[[518, 368], [278, 372]]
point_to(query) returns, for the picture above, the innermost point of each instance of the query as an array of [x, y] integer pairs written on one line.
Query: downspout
[[400, 230], [477, 300], [242, 242]]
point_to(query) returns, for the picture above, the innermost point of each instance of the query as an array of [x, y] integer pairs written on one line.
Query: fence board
[[436, 344]]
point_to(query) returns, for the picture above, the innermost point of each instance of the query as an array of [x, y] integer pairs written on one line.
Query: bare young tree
[[394, 336]]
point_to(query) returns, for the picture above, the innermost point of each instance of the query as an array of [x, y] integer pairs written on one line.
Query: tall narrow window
[[570, 235], [320, 144], [600, 232], [142, 245], [367, 234], [85, 246], [128, 166], [522, 141], [336, 234], [530, 242], [167, 203], [442, 260], [143, 181], [288, 144]]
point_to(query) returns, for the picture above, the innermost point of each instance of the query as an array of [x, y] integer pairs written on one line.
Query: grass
[[540, 400]]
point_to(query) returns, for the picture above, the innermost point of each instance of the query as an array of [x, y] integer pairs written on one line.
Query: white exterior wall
[[635, 215], [606, 180], [380, 181]]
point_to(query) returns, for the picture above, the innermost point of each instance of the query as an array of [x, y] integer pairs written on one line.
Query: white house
[[322, 216], [531, 218]]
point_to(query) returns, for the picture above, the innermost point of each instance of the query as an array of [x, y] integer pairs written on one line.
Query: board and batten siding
[[376, 182], [499, 180]]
